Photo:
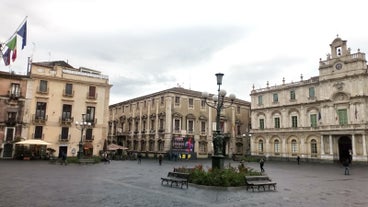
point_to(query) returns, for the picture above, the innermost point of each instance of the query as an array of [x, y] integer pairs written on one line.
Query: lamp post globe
[[218, 139]]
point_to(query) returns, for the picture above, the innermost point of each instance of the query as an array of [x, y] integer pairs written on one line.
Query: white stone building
[[320, 119]]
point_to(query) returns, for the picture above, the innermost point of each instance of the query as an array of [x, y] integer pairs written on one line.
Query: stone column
[[364, 146], [353, 144], [330, 140], [322, 146]]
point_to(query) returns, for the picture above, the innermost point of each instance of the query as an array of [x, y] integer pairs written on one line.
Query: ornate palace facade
[[324, 118], [177, 121]]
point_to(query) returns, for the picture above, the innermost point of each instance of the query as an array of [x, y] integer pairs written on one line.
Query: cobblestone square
[[127, 183]]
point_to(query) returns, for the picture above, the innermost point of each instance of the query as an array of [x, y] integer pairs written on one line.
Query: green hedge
[[229, 177]]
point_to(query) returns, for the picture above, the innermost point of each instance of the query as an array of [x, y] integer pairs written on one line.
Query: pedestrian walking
[[139, 158], [63, 158], [261, 164], [345, 163], [298, 159], [160, 159]]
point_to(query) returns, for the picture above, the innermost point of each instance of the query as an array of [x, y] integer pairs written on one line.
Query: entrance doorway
[[344, 148]]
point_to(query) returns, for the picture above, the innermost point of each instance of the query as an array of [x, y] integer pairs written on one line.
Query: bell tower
[[340, 62]]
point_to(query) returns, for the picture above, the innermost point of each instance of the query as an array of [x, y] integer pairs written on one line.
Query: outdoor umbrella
[[115, 147], [33, 141]]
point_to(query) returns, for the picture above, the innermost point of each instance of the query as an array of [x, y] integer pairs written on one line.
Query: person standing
[[139, 158], [345, 163], [160, 159], [261, 164], [298, 159], [63, 158]]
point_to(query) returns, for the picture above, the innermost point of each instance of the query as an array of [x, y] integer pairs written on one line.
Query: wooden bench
[[177, 178], [86, 161], [259, 182]]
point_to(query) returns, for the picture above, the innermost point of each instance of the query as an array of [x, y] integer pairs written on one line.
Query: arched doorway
[[344, 147]]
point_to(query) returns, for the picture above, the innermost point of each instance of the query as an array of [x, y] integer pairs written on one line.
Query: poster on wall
[[183, 144]]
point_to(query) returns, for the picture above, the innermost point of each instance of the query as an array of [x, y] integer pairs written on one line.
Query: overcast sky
[[146, 46]]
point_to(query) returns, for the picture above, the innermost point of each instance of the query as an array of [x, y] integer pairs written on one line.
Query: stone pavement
[[127, 183]]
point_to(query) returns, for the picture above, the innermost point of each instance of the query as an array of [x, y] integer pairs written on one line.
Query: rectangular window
[[67, 112], [190, 126], [313, 120], [294, 146], [41, 110], [260, 146], [177, 100], [161, 124], [38, 132], [260, 100], [89, 134], [261, 124], [64, 133], [294, 121], [153, 102], [152, 124], [238, 109], [277, 147], [314, 147], [43, 86], [343, 116], [275, 97], [292, 95], [9, 134], [203, 126], [177, 125], [277, 122], [162, 100], [190, 103], [92, 92], [15, 90], [203, 104], [311, 92], [12, 117], [90, 114], [68, 89]]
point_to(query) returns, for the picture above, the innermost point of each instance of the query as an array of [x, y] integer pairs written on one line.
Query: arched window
[[313, 148], [294, 146], [277, 147], [260, 146]]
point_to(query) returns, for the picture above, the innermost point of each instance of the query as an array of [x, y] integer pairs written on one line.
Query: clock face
[[338, 66]]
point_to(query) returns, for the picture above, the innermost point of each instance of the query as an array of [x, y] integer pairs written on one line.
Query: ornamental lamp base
[[218, 162]]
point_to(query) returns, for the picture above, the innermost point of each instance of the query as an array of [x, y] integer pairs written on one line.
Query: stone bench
[[259, 182], [177, 178]]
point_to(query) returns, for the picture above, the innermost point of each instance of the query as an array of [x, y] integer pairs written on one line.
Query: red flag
[[14, 55]]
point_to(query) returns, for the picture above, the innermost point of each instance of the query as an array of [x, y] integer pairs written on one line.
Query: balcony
[[89, 139], [68, 93], [152, 131], [39, 119], [161, 130], [43, 91], [64, 139], [92, 96], [11, 122], [14, 94], [66, 121]]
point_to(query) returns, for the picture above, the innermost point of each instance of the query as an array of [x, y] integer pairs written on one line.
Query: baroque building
[[12, 101], [322, 119], [58, 95], [178, 122]]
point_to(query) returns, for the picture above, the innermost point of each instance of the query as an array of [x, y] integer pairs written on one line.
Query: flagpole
[[15, 33]]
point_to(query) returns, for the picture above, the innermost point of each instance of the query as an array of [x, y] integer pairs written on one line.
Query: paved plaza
[[126, 183]]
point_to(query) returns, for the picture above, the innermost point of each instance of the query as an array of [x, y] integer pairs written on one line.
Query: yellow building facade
[[57, 95]]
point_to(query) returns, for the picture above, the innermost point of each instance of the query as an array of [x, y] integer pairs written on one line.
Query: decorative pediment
[[190, 116], [202, 118], [177, 115]]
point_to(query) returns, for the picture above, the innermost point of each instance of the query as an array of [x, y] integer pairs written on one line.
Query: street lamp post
[[81, 126], [218, 140]]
